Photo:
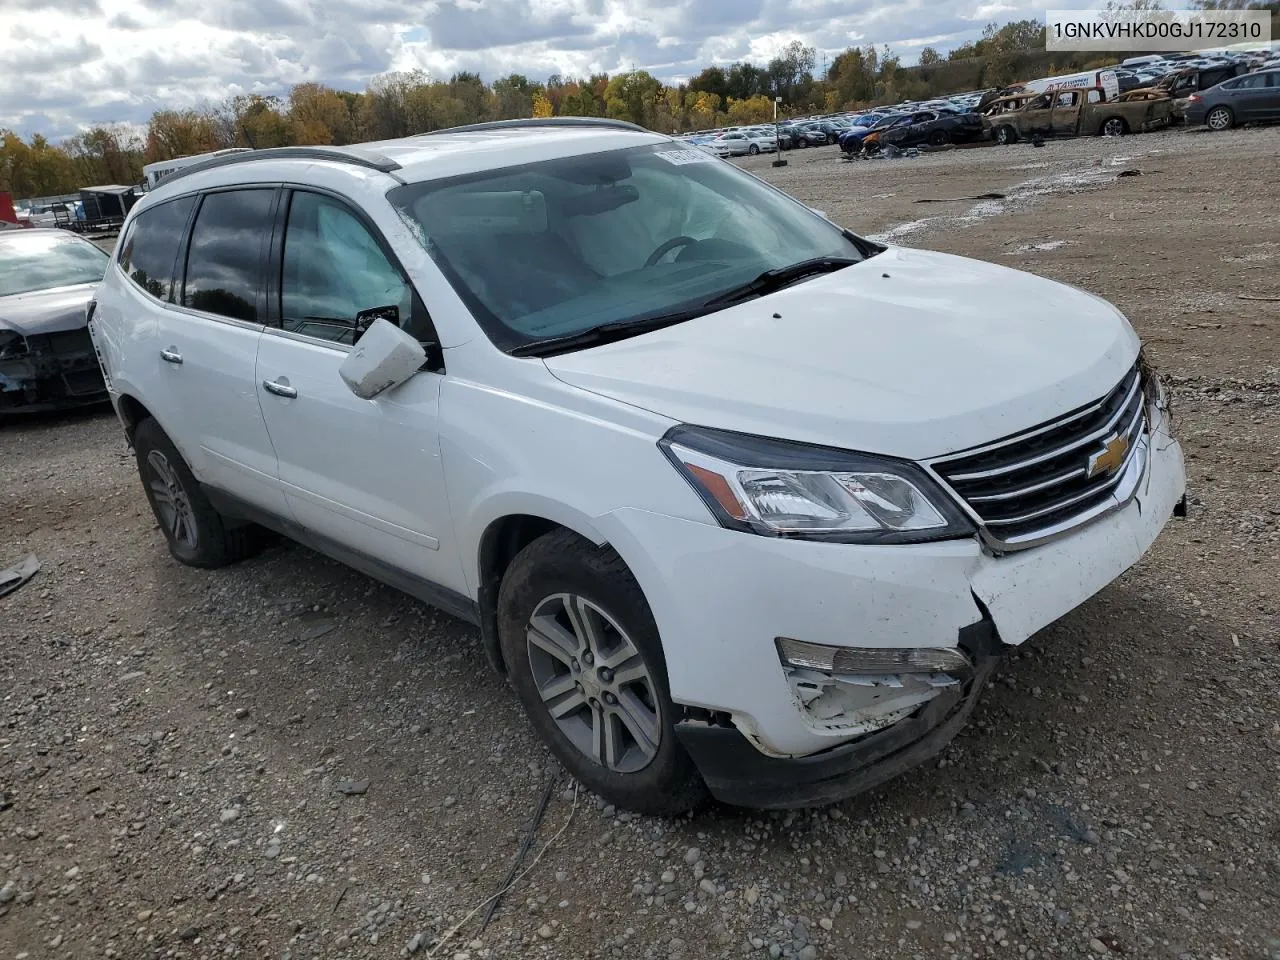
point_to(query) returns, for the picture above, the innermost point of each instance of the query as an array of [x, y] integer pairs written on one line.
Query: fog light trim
[[872, 661]]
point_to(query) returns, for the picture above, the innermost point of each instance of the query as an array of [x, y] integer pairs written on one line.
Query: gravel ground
[[285, 759]]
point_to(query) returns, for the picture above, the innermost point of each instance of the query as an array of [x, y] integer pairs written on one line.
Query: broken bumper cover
[[52, 371], [737, 773]]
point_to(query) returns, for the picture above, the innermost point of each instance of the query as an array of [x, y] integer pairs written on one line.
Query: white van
[[1106, 79]]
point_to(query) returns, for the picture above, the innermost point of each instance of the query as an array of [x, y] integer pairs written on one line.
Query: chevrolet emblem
[[1111, 457]]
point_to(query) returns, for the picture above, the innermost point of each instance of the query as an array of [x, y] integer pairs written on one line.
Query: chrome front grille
[[1045, 481]]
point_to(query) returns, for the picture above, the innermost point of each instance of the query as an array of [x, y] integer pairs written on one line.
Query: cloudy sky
[[65, 64]]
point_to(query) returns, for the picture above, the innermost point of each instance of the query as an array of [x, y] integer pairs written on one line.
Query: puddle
[[1072, 181], [1043, 246]]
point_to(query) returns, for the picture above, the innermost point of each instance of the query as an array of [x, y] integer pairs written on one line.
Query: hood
[[910, 354], [46, 311]]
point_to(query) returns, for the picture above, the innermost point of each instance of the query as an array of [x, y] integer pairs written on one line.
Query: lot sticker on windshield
[[679, 157]]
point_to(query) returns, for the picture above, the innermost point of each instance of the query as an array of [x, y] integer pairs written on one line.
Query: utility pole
[[777, 140]]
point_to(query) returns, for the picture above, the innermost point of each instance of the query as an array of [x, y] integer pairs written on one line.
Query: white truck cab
[[740, 502]]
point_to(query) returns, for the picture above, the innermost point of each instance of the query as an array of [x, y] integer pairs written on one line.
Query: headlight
[[12, 345], [783, 489]]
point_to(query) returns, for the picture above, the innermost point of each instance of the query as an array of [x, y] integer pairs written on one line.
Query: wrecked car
[[47, 360], [1078, 112], [937, 129]]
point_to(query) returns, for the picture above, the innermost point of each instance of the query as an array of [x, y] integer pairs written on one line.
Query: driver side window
[[334, 271]]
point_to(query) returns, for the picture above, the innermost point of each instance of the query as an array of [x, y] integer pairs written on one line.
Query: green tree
[[631, 96], [513, 97]]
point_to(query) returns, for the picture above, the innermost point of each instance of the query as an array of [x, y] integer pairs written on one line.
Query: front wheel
[[753, 150], [197, 534], [583, 653], [939, 138], [1006, 135], [1220, 118], [804, 143]]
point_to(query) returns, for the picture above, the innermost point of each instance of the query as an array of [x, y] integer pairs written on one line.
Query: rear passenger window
[[224, 263], [150, 249]]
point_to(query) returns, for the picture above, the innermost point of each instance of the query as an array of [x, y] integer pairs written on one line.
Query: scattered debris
[[1247, 296], [980, 196], [1129, 173], [353, 788], [530, 832], [11, 578], [318, 630]]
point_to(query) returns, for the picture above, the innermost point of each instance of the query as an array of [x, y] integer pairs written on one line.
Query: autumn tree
[[179, 133], [318, 115]]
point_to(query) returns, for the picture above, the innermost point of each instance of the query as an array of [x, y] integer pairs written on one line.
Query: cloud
[[80, 60]]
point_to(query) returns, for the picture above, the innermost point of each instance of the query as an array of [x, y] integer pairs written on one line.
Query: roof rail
[[352, 155], [541, 122]]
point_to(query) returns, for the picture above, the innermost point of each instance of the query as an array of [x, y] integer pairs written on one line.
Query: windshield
[[548, 250], [41, 261]]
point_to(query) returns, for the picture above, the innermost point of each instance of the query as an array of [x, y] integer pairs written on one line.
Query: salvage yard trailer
[[1078, 112], [102, 208]]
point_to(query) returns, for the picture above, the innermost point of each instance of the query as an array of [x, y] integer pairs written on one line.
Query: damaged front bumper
[[51, 371], [736, 772]]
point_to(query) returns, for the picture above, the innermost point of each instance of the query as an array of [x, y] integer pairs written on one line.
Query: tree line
[[404, 103]]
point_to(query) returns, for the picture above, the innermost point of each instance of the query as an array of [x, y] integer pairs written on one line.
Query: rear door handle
[[280, 388], [171, 356]]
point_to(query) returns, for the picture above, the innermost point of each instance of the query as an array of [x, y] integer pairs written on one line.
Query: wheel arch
[[502, 538], [132, 412]]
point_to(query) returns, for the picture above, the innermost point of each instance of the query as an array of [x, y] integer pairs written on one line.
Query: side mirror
[[384, 357]]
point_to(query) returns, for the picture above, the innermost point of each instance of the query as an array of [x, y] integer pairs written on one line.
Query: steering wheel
[[667, 246]]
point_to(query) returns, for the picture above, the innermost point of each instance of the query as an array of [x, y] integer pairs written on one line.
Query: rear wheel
[[1220, 118], [583, 653], [1114, 127], [197, 534]]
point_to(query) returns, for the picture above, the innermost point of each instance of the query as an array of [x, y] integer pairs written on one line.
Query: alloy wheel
[[1219, 118], [171, 501], [594, 683], [1113, 127]]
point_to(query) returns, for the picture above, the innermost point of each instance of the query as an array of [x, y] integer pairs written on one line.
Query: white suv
[[740, 502]]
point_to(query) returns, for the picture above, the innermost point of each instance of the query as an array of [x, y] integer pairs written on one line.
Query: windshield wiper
[[779, 277], [602, 333]]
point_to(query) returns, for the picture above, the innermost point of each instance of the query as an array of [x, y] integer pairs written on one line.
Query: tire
[[197, 534], [939, 138], [560, 573], [1006, 135], [753, 150], [1114, 127], [804, 143], [1219, 119]]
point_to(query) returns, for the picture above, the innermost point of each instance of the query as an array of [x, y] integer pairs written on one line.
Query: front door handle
[[280, 388], [171, 355]]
